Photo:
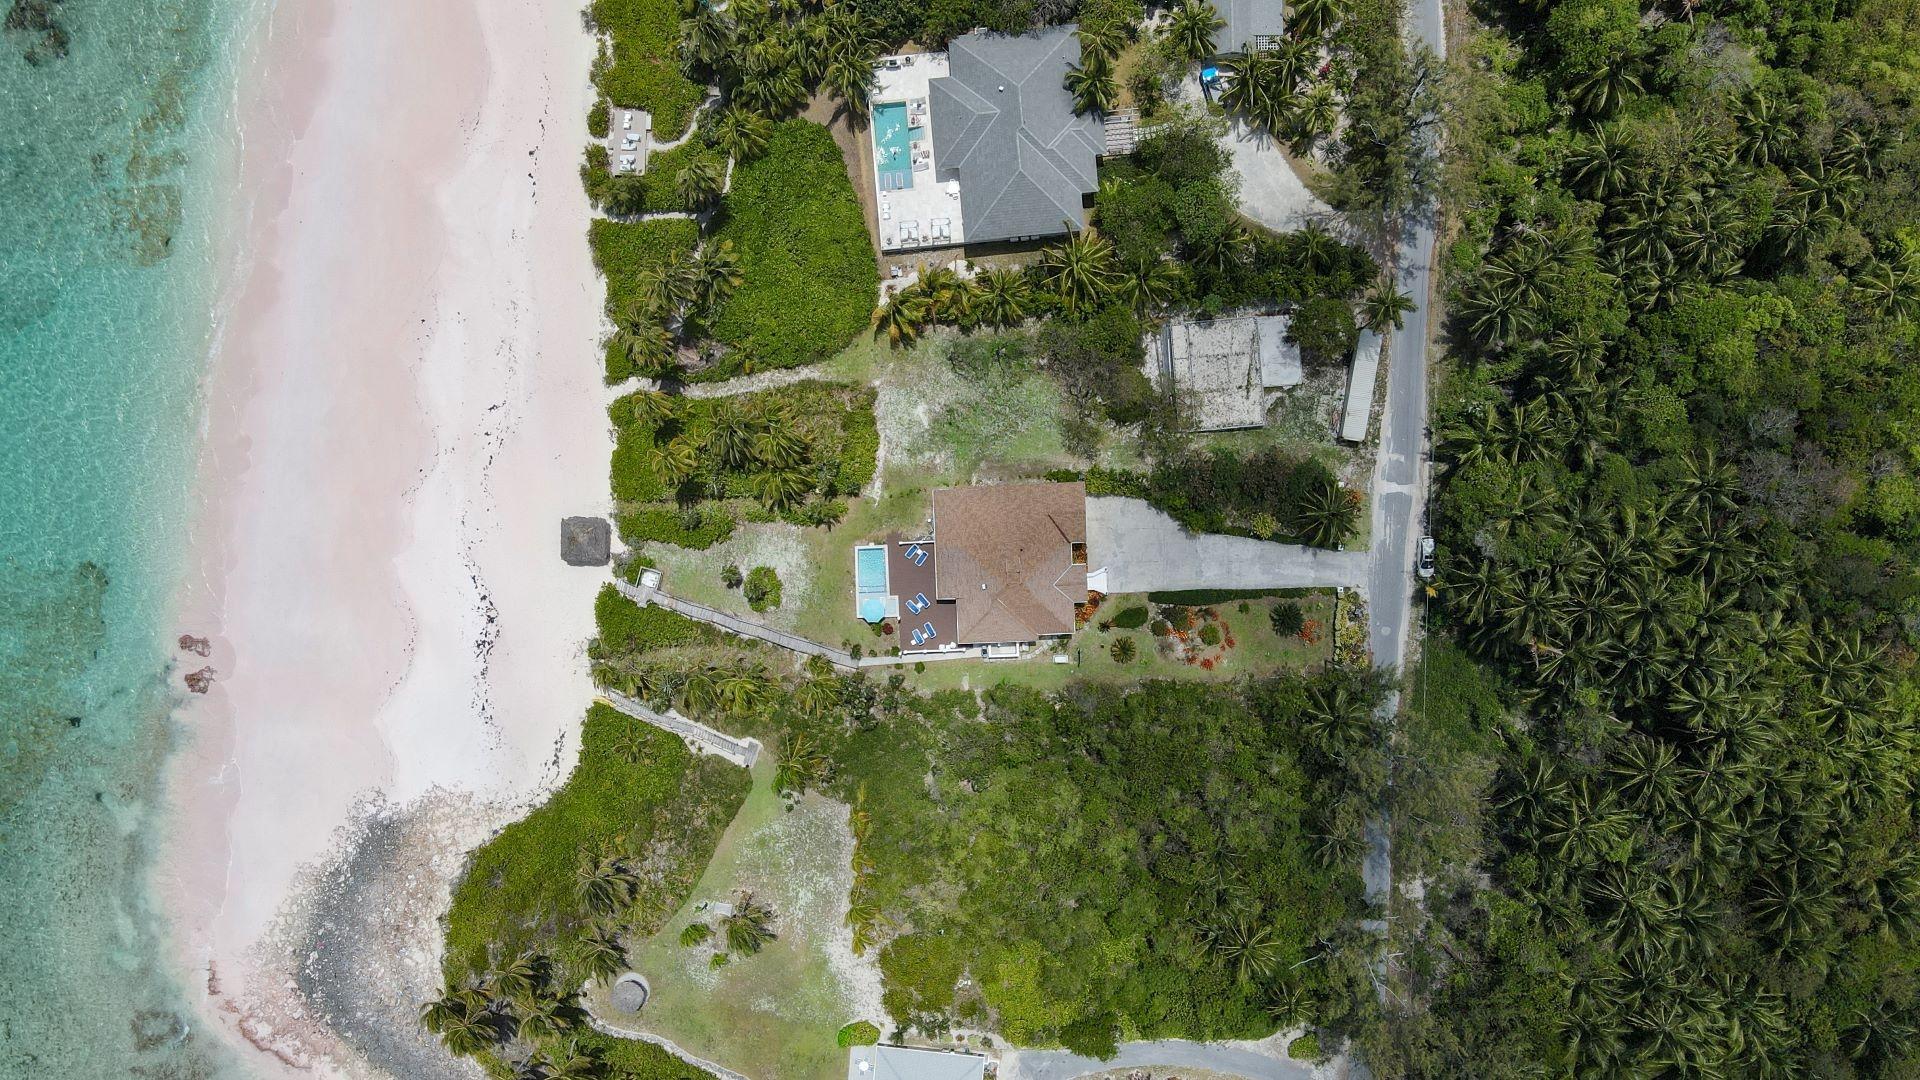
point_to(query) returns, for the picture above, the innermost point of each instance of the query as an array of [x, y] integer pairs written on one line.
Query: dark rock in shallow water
[[586, 541], [200, 681], [198, 646]]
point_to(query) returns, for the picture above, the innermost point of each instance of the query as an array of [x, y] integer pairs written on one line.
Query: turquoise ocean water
[[111, 157]]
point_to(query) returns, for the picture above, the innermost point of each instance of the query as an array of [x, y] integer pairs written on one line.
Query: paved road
[[1232, 1058], [1400, 472], [1145, 550]]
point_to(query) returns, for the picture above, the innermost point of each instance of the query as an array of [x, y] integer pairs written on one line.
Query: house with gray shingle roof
[[1004, 130]]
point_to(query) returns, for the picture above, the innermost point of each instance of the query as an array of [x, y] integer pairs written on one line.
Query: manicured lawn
[[809, 277], [773, 1015]]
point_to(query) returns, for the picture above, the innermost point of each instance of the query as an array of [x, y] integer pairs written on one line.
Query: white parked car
[[1423, 557]]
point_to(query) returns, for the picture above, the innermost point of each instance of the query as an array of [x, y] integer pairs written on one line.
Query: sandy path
[[404, 405]]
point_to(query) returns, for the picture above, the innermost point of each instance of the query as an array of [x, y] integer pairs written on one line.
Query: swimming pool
[[892, 159], [870, 582]]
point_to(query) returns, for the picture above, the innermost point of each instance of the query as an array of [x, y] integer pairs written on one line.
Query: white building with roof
[[912, 1063]]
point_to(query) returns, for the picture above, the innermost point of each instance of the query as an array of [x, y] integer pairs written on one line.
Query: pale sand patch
[[403, 406]]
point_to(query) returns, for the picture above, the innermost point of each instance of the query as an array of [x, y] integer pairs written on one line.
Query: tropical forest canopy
[[1678, 519]]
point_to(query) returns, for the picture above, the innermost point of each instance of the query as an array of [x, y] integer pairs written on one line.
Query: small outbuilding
[[912, 1063], [586, 541]]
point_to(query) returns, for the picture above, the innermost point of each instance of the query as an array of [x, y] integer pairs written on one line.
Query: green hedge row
[[1207, 597], [643, 71], [628, 627], [709, 525], [811, 280]]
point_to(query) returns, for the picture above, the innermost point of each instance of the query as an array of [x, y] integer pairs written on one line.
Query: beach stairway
[[698, 736]]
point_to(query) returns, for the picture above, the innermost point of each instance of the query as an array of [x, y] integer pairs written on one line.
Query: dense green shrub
[[1209, 597], [695, 934], [1210, 634], [644, 71], [598, 119], [1130, 618], [1304, 1048], [762, 589], [623, 250], [636, 1059], [858, 1033], [629, 628], [697, 527], [831, 424], [810, 278], [921, 971], [518, 889]]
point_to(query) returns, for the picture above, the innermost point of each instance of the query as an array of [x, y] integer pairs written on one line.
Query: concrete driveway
[[1144, 550]]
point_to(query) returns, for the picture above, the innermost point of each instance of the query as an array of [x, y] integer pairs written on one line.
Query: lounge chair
[[918, 555], [915, 606], [924, 603], [916, 639], [929, 631]]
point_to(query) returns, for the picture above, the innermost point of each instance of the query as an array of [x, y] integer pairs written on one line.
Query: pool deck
[[907, 217], [907, 580]]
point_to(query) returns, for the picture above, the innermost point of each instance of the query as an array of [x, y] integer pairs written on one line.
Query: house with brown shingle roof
[[1011, 559]]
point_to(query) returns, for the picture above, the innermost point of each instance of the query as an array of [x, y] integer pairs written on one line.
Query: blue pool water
[[870, 570], [116, 156], [891, 158]]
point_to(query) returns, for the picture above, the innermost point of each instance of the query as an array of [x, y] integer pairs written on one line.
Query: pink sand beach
[[404, 404]]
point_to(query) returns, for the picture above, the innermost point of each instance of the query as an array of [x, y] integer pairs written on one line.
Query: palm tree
[[709, 36], [779, 489], [1092, 84], [1313, 18], [460, 1018], [802, 766], [1149, 283], [603, 883], [699, 183], [517, 980], [1603, 167], [742, 689], [1080, 270], [1604, 89], [654, 408], [715, 275], [1293, 61], [598, 954], [674, 461], [1252, 951], [1103, 38], [1314, 117], [901, 318], [1003, 297], [1256, 87], [851, 79], [544, 1018], [570, 1061], [750, 926], [816, 696], [1192, 26], [779, 444], [634, 740], [645, 342], [1327, 515], [730, 434], [742, 134], [1891, 290], [700, 692], [1384, 306], [1765, 129]]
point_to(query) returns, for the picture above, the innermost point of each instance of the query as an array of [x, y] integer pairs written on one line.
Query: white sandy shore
[[404, 405]]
